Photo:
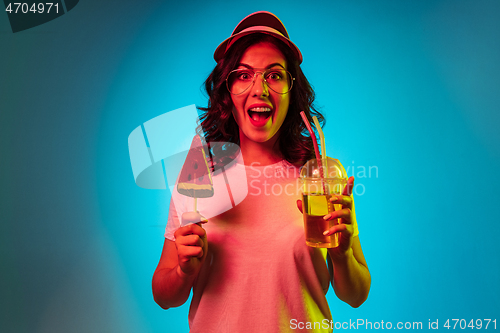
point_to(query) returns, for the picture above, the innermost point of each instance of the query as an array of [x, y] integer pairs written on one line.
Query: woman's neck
[[262, 153]]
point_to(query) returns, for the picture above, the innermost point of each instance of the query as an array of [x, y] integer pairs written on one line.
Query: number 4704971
[[474, 324], [40, 8]]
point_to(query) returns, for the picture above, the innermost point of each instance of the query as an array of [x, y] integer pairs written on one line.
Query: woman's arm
[[349, 274], [179, 265], [348, 269]]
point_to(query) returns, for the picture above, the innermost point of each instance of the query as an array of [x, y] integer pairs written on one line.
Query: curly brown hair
[[217, 121]]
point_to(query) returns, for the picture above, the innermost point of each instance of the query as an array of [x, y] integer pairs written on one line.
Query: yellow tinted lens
[[278, 80]]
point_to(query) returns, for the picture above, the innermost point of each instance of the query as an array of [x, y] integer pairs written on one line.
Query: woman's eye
[[244, 76], [274, 76]]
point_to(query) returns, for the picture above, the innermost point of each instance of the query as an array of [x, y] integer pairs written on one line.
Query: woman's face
[[259, 111]]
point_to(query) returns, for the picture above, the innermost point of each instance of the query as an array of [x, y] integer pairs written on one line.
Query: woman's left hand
[[346, 216]]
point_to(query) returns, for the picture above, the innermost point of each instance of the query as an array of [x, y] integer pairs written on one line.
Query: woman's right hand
[[191, 244]]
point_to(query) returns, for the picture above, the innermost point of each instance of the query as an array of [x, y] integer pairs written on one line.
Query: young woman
[[249, 267]]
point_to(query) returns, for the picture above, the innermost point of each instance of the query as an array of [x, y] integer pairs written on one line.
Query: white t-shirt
[[259, 275]]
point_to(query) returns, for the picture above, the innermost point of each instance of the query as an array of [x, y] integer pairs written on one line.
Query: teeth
[[260, 109]]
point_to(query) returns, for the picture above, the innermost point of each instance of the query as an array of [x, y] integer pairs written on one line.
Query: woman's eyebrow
[[267, 67]]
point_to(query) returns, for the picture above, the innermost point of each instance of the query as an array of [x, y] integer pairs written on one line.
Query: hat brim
[[222, 49]]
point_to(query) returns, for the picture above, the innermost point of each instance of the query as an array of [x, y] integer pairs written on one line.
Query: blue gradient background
[[411, 87]]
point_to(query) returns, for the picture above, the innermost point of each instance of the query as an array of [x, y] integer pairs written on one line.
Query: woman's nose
[[260, 86]]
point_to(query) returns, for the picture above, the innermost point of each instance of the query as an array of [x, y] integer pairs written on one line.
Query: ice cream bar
[[195, 179]]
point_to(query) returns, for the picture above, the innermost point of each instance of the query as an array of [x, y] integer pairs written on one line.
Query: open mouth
[[259, 114]]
